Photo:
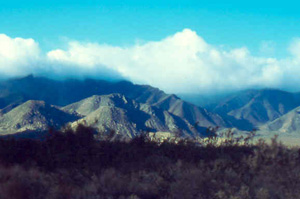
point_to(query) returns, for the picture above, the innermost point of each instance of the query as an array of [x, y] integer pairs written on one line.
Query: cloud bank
[[181, 63], [17, 56]]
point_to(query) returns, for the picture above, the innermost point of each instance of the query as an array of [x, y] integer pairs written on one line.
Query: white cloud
[[183, 62], [18, 56]]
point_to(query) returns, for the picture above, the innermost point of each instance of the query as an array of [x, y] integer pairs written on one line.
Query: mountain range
[[38, 103]]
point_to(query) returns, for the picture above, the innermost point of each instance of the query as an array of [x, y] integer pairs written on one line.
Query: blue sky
[[178, 46], [229, 23]]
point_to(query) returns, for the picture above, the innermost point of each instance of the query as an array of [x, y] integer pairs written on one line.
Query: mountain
[[257, 107], [37, 103], [32, 116], [190, 112], [288, 123], [207, 100], [126, 116], [56, 92], [62, 93], [106, 112]]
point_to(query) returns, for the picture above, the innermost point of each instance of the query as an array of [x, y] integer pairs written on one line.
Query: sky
[[179, 46]]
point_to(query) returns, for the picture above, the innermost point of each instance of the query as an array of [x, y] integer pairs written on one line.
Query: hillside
[[127, 117], [288, 123], [258, 106], [32, 116], [65, 92], [135, 108]]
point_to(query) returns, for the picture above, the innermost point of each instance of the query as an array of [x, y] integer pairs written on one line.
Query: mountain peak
[[33, 116]]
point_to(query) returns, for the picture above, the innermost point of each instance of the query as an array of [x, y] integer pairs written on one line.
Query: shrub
[[71, 164]]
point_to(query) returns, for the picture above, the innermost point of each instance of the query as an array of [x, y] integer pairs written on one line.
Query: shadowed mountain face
[[32, 116], [65, 92], [257, 107], [59, 93]]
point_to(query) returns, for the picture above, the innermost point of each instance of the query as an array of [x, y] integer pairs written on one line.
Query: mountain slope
[[288, 123], [190, 112], [88, 105], [127, 117], [33, 116], [258, 106], [65, 92]]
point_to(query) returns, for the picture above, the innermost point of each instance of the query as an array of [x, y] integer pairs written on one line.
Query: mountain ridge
[[33, 116], [132, 117], [141, 107], [257, 107], [288, 123], [65, 92]]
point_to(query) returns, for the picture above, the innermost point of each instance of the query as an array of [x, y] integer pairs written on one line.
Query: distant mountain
[[127, 117], [288, 123], [206, 100], [32, 116], [64, 92], [56, 92], [257, 107]]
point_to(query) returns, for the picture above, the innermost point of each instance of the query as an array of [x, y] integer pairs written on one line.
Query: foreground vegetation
[[75, 165]]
